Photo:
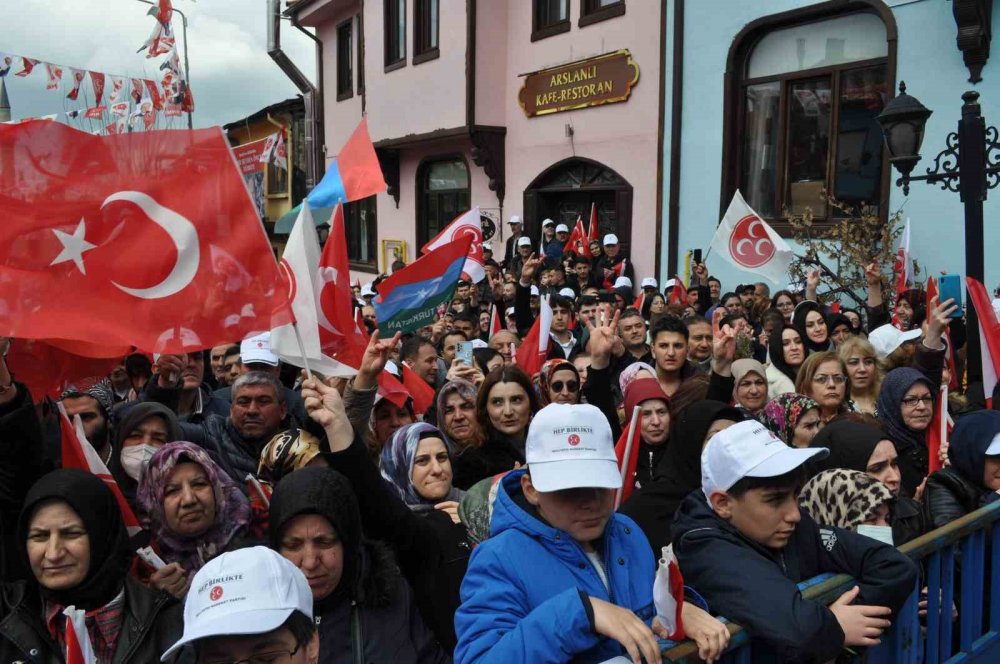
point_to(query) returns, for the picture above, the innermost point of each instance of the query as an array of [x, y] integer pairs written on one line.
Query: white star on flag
[[73, 246]]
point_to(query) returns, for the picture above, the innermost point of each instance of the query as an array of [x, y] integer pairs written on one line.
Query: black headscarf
[[329, 494], [969, 441], [802, 309], [851, 445], [890, 406], [110, 554], [130, 417], [776, 352]]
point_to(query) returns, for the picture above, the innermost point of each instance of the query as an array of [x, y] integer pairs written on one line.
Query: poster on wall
[[251, 167]]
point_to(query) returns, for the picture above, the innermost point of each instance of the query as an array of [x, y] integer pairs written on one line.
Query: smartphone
[[463, 352], [950, 288], [697, 256]]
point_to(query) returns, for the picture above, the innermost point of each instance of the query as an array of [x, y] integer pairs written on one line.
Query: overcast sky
[[231, 73]]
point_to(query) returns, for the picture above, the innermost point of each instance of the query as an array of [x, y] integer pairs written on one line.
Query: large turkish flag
[[147, 239]]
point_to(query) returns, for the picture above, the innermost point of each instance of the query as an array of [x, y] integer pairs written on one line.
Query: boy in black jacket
[[743, 544]]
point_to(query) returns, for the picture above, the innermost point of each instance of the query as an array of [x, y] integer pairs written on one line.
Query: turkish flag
[[131, 239], [578, 242], [627, 453], [79, 650], [594, 229], [422, 393], [679, 294], [535, 349], [464, 225], [340, 336], [47, 370]]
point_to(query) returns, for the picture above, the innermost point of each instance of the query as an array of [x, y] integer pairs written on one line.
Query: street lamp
[[969, 166], [187, 68]]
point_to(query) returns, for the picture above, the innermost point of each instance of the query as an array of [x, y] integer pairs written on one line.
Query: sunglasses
[[571, 386]]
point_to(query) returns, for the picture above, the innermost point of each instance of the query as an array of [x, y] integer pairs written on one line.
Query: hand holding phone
[[463, 352], [950, 288]]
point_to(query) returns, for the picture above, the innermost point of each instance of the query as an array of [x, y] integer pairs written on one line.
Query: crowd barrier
[[973, 637]]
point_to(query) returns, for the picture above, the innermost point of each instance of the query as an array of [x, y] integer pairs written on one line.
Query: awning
[[285, 223]]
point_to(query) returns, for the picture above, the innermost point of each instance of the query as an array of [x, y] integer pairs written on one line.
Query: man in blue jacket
[[743, 544], [562, 577]]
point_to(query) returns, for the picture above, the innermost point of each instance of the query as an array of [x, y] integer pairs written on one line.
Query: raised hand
[[723, 343], [374, 359], [873, 274], [169, 368], [531, 265], [602, 338], [325, 406], [862, 625], [938, 318]]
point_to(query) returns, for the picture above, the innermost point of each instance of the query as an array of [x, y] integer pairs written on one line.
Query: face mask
[[880, 533], [135, 459]]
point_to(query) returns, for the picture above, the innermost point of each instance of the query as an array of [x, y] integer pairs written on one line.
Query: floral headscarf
[[467, 391], [232, 509], [545, 376], [628, 374], [843, 498], [397, 463], [781, 414]]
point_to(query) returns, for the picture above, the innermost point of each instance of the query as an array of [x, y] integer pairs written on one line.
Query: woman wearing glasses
[[823, 377], [558, 382], [906, 408]]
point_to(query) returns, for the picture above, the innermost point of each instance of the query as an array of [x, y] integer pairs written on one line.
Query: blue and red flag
[[409, 298], [353, 175]]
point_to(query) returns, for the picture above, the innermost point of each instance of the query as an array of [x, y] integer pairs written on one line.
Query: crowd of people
[[293, 518]]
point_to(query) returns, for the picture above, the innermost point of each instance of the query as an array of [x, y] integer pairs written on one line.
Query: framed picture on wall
[[392, 251]]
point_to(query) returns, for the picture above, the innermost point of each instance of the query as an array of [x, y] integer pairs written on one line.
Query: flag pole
[[302, 350], [628, 455]]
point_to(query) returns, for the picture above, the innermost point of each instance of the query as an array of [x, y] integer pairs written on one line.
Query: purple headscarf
[[397, 463], [232, 509]]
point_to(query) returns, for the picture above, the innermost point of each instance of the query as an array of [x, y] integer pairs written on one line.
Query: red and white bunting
[[78, 76], [54, 74]]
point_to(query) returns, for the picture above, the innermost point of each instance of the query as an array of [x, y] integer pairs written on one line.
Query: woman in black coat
[[973, 478]]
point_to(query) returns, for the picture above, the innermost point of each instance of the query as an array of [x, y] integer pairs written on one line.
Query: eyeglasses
[[911, 402], [272, 657], [571, 386], [837, 379]]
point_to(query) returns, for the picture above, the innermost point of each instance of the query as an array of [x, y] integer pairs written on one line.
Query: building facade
[[535, 108], [778, 99]]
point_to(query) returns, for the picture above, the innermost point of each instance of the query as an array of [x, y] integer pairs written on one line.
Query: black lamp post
[[969, 165]]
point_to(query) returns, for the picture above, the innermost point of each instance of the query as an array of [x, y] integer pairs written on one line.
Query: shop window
[[361, 229], [395, 34], [549, 17], [345, 82], [425, 30], [804, 112], [444, 194], [593, 11]]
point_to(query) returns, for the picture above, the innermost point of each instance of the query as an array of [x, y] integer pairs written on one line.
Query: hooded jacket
[[756, 587], [521, 597], [954, 492], [370, 616]]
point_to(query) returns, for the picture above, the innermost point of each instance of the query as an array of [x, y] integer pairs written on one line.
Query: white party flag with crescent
[[748, 243]]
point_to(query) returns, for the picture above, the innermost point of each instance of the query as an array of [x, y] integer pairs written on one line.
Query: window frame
[[590, 14], [423, 236], [736, 82], [390, 29], [352, 215], [557, 28], [422, 53], [345, 92]]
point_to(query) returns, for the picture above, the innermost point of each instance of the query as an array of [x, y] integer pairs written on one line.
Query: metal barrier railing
[[908, 641]]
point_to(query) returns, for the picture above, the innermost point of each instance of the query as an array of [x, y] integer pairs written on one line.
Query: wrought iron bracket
[[945, 171]]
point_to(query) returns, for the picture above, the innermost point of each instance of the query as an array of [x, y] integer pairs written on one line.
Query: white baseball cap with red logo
[[257, 350], [569, 446], [247, 591]]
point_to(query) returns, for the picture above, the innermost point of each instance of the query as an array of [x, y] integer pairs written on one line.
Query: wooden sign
[[605, 79]]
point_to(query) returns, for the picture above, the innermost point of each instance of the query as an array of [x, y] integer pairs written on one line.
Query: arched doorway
[[566, 190]]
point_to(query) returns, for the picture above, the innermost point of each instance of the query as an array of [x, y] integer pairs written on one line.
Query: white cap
[[623, 282], [368, 290], [562, 228], [479, 343], [534, 291], [567, 292], [994, 448], [669, 283], [524, 241], [247, 591], [610, 238], [257, 349], [887, 338], [509, 312], [548, 222], [748, 449], [514, 219], [648, 282], [569, 446], [487, 246]]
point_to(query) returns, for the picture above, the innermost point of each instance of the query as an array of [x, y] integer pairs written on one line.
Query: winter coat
[[170, 397], [151, 622], [756, 587], [497, 455], [21, 463], [777, 382], [226, 447], [955, 491], [222, 401], [524, 596]]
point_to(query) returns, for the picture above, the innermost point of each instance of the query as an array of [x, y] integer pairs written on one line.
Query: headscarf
[[101, 392], [628, 374], [132, 416], [745, 366], [467, 392], [833, 320], [776, 352], [683, 456], [232, 509], [642, 390], [397, 463], [843, 498], [895, 385], [802, 310], [110, 554], [545, 378], [288, 451], [851, 445], [475, 509], [782, 414], [970, 439], [855, 329]]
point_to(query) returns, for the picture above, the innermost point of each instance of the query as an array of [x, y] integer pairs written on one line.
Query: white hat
[[748, 449], [247, 591], [514, 219], [994, 448], [548, 222], [534, 291], [887, 338], [610, 238], [568, 292], [623, 282], [509, 312], [569, 446], [257, 349], [479, 343], [487, 246], [648, 282], [669, 283], [562, 228], [524, 241], [368, 290]]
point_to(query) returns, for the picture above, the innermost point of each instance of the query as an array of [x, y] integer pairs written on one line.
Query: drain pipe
[[312, 96]]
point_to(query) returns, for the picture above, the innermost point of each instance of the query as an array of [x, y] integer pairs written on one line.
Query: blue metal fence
[[974, 543]]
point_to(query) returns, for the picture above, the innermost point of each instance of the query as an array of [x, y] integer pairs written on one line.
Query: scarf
[[802, 309], [776, 353], [782, 414], [232, 509], [843, 498], [132, 416], [851, 445], [895, 385], [397, 463], [545, 377]]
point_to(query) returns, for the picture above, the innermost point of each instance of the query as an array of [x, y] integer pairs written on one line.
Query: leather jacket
[[948, 496]]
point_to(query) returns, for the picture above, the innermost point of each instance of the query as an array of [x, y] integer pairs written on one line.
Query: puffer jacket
[[949, 496], [151, 622], [523, 595]]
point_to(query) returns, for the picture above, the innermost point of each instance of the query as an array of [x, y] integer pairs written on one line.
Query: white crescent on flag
[[465, 224]]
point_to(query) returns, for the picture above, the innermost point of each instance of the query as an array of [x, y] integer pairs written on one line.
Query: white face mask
[[135, 459]]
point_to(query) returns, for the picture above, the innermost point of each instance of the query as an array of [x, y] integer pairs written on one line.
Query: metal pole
[[972, 189]]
